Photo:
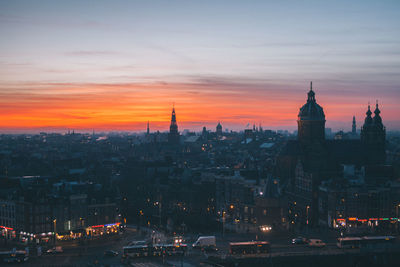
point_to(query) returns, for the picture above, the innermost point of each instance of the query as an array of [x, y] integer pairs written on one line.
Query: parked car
[[55, 250], [110, 253], [299, 240], [316, 243]]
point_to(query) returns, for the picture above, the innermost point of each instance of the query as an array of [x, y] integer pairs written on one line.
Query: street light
[[55, 230], [397, 216]]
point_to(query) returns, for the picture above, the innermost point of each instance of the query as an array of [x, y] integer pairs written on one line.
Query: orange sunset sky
[[114, 65]]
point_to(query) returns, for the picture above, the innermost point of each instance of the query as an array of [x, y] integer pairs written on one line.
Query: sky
[[114, 65]]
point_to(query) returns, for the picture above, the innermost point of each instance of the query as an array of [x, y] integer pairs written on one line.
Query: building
[[312, 159], [173, 135], [219, 129]]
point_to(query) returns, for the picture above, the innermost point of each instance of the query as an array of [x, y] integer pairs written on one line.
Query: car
[[110, 253], [299, 240], [316, 243], [55, 250]]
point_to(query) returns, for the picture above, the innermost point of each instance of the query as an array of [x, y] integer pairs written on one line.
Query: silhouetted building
[[173, 136], [219, 129], [373, 137], [311, 159], [311, 120], [353, 126]]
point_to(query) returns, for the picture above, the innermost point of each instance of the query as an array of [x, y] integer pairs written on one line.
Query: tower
[[148, 128], [219, 129], [353, 126], [373, 136], [311, 120], [173, 136]]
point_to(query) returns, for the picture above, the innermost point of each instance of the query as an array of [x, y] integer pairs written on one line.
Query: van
[[205, 242]]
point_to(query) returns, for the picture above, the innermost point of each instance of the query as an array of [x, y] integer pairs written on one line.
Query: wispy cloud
[[92, 53]]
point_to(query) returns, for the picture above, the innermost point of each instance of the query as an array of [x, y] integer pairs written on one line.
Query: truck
[[205, 242]]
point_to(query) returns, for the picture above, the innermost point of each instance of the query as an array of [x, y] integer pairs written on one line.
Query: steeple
[[373, 135], [377, 118], [311, 94], [368, 119], [173, 136], [353, 127]]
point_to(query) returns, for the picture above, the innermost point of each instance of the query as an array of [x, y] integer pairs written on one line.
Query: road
[[92, 253]]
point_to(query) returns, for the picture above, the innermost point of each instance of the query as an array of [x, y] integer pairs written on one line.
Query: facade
[[38, 215]]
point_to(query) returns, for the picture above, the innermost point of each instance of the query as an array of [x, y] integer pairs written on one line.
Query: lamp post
[[397, 217], [223, 223], [55, 231]]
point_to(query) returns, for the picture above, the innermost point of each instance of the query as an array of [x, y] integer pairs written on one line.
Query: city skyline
[[114, 67]]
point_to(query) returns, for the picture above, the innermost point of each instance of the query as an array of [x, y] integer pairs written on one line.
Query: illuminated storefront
[[91, 231], [357, 222], [7, 232]]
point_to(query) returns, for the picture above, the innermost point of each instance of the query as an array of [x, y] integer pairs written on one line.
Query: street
[[92, 253]]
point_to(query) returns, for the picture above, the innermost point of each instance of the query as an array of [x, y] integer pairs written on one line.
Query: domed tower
[[311, 120]]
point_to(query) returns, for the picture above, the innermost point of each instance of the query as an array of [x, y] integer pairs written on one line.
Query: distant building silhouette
[[148, 128], [312, 159], [353, 126], [311, 120], [219, 129], [173, 136], [373, 136]]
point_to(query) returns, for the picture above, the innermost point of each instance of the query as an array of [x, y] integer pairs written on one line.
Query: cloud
[[91, 53]]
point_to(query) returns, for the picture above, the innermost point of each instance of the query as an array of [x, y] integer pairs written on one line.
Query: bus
[[157, 250], [171, 249], [349, 242], [377, 241], [13, 256], [249, 248], [365, 242], [136, 251]]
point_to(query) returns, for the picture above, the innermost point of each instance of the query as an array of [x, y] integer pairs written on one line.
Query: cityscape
[[246, 168]]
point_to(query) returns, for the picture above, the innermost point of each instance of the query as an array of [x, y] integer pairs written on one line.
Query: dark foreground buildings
[[337, 182]]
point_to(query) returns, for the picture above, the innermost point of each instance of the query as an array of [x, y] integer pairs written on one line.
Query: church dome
[[311, 110]]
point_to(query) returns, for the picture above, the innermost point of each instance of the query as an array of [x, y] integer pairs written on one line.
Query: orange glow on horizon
[[128, 107]]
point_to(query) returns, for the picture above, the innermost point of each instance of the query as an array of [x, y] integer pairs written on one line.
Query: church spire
[[311, 94], [173, 136], [368, 119], [354, 127], [377, 118]]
